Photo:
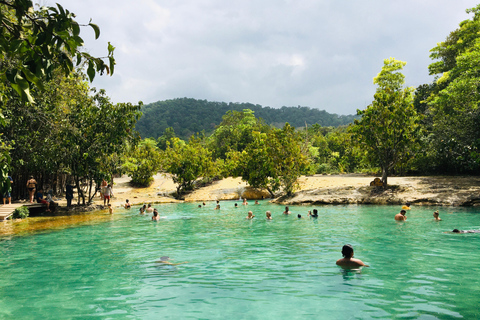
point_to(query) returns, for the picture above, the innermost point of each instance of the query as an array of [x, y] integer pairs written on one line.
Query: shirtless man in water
[[401, 216], [348, 261]]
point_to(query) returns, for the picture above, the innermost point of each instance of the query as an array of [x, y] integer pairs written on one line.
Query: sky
[[321, 54]]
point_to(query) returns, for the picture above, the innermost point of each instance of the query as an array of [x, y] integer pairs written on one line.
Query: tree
[[389, 126], [454, 105], [271, 161], [34, 43], [235, 132], [143, 162], [187, 163]]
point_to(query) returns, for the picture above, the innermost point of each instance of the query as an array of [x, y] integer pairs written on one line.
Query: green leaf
[[96, 29], [91, 70]]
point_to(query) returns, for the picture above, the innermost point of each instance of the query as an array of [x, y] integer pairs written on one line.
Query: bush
[[20, 213]]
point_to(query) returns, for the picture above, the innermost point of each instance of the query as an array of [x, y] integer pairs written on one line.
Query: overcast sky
[[317, 53]]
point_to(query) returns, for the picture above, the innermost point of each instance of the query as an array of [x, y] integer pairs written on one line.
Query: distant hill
[[189, 116]]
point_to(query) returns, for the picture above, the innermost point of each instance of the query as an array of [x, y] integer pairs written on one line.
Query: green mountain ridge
[[188, 116]]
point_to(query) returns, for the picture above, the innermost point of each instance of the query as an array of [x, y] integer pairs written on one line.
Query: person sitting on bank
[[436, 217], [401, 216], [406, 206], [41, 200], [127, 204], [348, 261]]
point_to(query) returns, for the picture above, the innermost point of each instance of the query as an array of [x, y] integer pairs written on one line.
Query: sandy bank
[[319, 189]]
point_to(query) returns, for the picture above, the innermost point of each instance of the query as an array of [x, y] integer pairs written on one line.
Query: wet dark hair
[[315, 212], [403, 211], [456, 231], [299, 216], [347, 250], [407, 204]]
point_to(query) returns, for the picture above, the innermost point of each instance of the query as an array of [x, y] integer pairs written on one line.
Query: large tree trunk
[[384, 177]]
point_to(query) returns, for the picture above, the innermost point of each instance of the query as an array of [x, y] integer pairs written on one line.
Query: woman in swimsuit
[[31, 185]]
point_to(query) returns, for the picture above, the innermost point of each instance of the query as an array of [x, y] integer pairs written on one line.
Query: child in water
[[250, 215], [269, 215], [110, 209]]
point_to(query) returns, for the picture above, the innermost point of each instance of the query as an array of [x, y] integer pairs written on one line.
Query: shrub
[[20, 213]]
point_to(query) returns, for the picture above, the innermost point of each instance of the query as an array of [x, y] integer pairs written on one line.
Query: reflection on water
[[37, 224]]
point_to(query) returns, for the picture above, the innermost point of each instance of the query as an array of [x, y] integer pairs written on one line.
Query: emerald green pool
[[246, 269]]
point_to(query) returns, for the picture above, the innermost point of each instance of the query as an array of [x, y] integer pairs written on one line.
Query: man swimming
[[165, 260], [401, 216], [465, 231], [348, 261]]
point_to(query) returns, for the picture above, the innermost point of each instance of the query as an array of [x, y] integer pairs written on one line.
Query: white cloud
[[317, 53]]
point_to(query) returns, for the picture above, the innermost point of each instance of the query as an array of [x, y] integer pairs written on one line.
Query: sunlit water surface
[[105, 267]]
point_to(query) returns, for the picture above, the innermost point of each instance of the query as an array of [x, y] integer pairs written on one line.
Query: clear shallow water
[[246, 269]]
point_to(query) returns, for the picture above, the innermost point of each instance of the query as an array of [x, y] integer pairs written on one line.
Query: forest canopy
[[189, 116]]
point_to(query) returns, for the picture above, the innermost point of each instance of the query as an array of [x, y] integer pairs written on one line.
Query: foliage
[[455, 132], [166, 138], [143, 162], [389, 127], [20, 213], [273, 160], [87, 131], [34, 43], [235, 132], [187, 162], [189, 116]]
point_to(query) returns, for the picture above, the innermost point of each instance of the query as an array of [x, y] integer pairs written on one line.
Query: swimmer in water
[[406, 206], [166, 260], [436, 217], [149, 208], [110, 209], [401, 216], [465, 231], [250, 215], [156, 215], [269, 215], [287, 211], [348, 261], [256, 202], [314, 214], [127, 204]]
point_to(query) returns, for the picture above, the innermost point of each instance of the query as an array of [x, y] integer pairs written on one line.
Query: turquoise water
[[246, 269]]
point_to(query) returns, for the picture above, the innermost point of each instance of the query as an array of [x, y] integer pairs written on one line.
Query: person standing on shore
[[7, 190], [31, 185], [69, 193], [108, 194]]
